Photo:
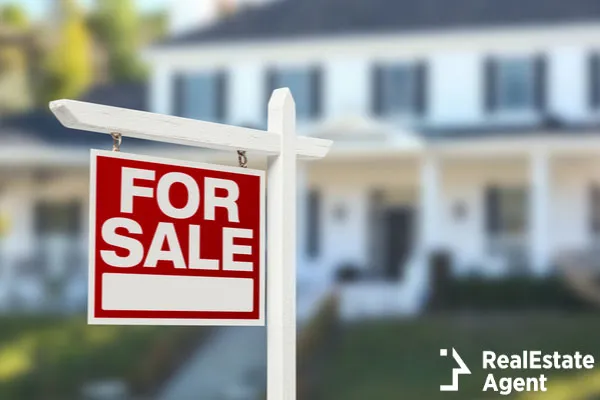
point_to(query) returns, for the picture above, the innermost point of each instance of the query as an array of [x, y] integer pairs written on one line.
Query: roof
[[302, 18], [125, 95], [42, 127]]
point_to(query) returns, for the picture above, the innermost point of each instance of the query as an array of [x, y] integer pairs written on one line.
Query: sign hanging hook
[[117, 139], [242, 159]]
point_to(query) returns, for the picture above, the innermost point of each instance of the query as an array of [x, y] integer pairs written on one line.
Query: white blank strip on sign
[[176, 293]]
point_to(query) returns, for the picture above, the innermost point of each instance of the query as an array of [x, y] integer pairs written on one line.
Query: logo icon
[[461, 370]]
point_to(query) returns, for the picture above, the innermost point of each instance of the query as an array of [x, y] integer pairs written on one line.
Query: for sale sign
[[175, 243]]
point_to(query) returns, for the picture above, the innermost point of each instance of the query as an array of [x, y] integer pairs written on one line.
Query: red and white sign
[[174, 242]]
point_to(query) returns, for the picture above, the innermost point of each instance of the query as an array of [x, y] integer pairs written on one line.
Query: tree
[[14, 16], [69, 68], [117, 26]]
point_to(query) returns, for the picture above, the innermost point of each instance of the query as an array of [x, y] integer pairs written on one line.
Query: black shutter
[[221, 96], [594, 81], [178, 94], [492, 210], [420, 88], [316, 92], [593, 209], [313, 230], [540, 83], [377, 87], [489, 84]]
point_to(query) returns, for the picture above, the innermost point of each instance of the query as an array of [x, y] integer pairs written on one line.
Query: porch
[[494, 213], [43, 242]]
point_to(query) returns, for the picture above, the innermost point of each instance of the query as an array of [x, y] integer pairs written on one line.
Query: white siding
[[464, 183], [347, 87], [345, 238], [246, 98], [455, 91], [568, 83]]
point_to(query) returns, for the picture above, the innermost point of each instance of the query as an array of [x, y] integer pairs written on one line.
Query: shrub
[[504, 294]]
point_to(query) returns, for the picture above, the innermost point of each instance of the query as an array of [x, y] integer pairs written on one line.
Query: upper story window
[[399, 89], [515, 84], [200, 96], [305, 85]]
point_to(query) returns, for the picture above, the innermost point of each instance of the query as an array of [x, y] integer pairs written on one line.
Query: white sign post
[[282, 146]]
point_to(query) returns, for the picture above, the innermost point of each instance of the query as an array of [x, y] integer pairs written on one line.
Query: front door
[[398, 239]]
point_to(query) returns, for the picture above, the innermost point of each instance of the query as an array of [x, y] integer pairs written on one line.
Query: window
[[313, 229], [515, 84], [58, 218], [595, 211], [399, 89], [201, 96], [305, 85], [506, 212]]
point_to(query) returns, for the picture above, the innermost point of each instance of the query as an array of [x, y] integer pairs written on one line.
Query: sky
[[38, 8]]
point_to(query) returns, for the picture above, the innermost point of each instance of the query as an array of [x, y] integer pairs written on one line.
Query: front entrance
[[398, 229]]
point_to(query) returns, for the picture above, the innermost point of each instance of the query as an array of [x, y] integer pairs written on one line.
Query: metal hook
[[242, 159], [117, 139]]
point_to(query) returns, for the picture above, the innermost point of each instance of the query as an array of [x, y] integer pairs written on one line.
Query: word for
[[165, 232]]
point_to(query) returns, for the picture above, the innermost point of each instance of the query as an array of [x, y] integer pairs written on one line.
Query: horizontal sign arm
[[165, 128]]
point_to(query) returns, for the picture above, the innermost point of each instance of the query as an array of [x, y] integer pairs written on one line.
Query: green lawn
[[396, 359], [50, 358]]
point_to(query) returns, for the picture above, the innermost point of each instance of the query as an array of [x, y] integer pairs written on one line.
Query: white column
[[161, 90], [539, 208], [429, 209]]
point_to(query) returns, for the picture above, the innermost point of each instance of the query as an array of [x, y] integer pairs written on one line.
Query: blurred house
[[465, 126], [44, 205], [470, 128]]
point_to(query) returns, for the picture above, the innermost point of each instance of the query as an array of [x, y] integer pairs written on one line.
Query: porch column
[[429, 207], [539, 212]]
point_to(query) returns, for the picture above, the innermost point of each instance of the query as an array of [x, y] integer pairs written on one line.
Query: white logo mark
[[462, 370]]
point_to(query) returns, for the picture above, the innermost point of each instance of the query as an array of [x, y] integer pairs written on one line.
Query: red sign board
[[175, 243]]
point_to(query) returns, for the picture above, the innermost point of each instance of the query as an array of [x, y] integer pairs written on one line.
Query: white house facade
[[475, 131], [477, 134]]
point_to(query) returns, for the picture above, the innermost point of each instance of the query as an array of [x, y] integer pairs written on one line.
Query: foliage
[[69, 67], [153, 27], [42, 357], [117, 26], [14, 16], [510, 293], [313, 344]]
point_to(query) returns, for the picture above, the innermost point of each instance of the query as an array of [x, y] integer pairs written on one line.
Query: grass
[[51, 358], [400, 359]]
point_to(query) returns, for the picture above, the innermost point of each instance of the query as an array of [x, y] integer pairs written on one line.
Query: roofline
[[496, 38]]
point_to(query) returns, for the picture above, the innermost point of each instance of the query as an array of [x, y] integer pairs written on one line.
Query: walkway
[[231, 365]]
